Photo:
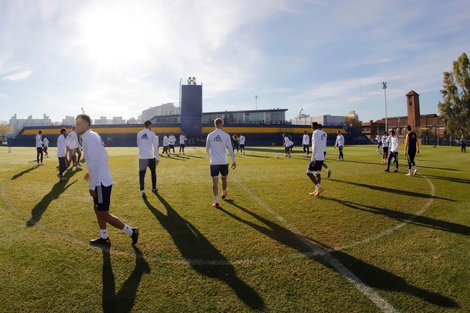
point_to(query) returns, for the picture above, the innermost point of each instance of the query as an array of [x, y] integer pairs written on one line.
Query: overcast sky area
[[119, 57]]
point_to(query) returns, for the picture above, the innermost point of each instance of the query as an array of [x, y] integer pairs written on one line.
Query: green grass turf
[[373, 241]]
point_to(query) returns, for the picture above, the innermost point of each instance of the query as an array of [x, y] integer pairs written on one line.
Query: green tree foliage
[[5, 129], [455, 108]]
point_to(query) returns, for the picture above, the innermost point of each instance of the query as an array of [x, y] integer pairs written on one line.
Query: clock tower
[[412, 105]]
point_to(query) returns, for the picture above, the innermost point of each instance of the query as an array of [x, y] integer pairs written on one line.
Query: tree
[[5, 129], [349, 120], [455, 108]]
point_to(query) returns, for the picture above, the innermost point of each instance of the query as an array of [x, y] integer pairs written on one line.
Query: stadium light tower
[[384, 87]]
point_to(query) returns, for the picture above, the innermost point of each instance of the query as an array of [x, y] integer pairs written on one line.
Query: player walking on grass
[[61, 153], [411, 148], [39, 143], [328, 170], [384, 147], [216, 144], [316, 161], [182, 143], [340, 144], [148, 155], [393, 151], [100, 182], [242, 143], [306, 143]]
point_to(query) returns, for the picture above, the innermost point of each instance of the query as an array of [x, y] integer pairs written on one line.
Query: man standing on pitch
[[411, 148], [216, 143], [39, 143], [306, 143], [148, 155], [340, 144], [100, 182], [392, 151], [318, 156], [61, 153]]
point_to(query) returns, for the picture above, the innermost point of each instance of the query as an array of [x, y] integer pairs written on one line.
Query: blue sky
[[117, 58]]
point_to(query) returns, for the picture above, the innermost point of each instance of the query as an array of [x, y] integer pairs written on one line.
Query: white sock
[[224, 192], [128, 229], [328, 169], [104, 233], [216, 199], [318, 186]]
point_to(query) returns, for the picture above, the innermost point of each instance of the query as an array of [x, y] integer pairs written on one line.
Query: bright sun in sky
[[115, 36]]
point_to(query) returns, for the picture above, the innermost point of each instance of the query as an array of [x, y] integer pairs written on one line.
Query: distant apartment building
[[103, 120], [325, 120], [164, 109], [17, 124]]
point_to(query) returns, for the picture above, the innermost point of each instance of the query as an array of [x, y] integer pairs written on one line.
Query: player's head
[[148, 124], [393, 132], [408, 127], [339, 132], [218, 123], [315, 125], [62, 131], [82, 123]]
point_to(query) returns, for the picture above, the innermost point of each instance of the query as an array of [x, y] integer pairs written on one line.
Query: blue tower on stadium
[[191, 108]]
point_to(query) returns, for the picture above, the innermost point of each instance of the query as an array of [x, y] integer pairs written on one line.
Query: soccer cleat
[[395, 171], [154, 189], [387, 170], [414, 172], [100, 242], [144, 195], [225, 196], [408, 174], [329, 173], [318, 192], [135, 235], [215, 205]]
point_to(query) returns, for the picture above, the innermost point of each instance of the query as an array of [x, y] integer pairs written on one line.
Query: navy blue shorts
[[315, 167], [216, 169], [103, 198]]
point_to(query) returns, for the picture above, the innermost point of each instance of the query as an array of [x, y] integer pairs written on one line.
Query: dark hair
[[408, 127], [62, 130], [85, 118], [315, 125], [147, 123], [218, 122]]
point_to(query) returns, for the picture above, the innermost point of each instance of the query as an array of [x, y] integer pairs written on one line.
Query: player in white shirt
[[39, 143], [217, 143], [340, 144], [166, 145], [100, 182], [288, 144], [45, 145], [328, 170], [182, 143], [306, 143], [73, 145], [385, 147], [242, 143], [61, 153], [319, 138], [171, 143], [393, 151], [148, 155]]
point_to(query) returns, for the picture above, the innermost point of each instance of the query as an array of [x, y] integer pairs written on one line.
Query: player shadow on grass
[[450, 179], [16, 176], [395, 191], [202, 255], [409, 218], [57, 189], [124, 299], [347, 265]]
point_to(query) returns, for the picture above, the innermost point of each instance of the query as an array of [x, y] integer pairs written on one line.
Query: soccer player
[[340, 144], [73, 147], [148, 155], [306, 143], [45, 145], [287, 145], [393, 150], [328, 170], [235, 142], [165, 146], [100, 182], [39, 143], [61, 153], [384, 147], [316, 162], [182, 143], [242, 143], [216, 144], [171, 143], [411, 148]]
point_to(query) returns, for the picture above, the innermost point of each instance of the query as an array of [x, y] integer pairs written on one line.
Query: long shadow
[[394, 191], [450, 179], [192, 156], [256, 156], [23, 172], [202, 255], [407, 217], [124, 299], [339, 261], [57, 189]]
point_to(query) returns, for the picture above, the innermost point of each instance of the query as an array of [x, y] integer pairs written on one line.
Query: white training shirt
[[61, 149], [165, 141], [306, 140], [339, 141], [287, 142], [148, 144], [216, 143], [73, 140], [46, 143], [182, 139], [393, 142], [38, 141], [318, 145], [96, 160], [172, 140], [385, 141], [242, 140]]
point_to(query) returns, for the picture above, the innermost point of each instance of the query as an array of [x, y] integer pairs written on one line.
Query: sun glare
[[115, 36]]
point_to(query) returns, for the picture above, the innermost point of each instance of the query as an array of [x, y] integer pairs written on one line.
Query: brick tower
[[412, 105]]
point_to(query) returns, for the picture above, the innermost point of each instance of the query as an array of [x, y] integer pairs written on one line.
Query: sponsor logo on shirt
[[217, 138], [144, 136]]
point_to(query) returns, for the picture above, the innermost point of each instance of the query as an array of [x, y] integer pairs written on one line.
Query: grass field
[[373, 242]]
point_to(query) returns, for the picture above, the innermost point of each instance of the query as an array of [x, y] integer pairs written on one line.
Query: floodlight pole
[[384, 87], [256, 102]]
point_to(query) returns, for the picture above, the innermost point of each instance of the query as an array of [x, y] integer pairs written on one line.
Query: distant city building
[[325, 120], [164, 109], [112, 121], [17, 124], [68, 120], [352, 114]]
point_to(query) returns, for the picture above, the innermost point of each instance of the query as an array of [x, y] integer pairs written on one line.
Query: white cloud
[[17, 76]]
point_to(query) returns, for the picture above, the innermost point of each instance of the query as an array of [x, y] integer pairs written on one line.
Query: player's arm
[[406, 143], [417, 146]]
